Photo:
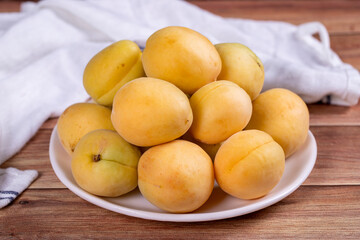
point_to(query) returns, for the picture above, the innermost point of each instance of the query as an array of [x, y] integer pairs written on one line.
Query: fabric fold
[[13, 182]]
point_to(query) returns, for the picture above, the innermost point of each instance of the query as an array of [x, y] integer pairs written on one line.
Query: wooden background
[[326, 206]]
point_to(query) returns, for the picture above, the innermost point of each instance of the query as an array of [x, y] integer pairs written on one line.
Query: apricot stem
[[96, 158]]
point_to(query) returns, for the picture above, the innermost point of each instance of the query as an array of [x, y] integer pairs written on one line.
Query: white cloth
[[13, 182], [46, 46]]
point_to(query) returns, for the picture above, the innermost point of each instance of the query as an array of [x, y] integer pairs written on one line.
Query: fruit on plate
[[110, 69], [249, 164], [282, 114], [79, 119], [181, 56], [184, 102], [149, 111], [220, 109], [210, 149], [104, 164], [177, 176], [241, 66]]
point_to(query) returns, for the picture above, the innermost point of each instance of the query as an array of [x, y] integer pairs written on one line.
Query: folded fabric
[[46, 46], [13, 182]]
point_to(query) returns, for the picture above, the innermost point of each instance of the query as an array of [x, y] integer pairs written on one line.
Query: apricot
[[249, 164], [110, 69], [80, 119], [282, 114], [149, 111], [181, 56], [177, 176], [241, 66], [104, 164], [220, 109]]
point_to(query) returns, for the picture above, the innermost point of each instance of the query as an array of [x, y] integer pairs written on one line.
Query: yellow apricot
[[177, 176], [181, 56], [80, 119], [104, 164], [282, 114], [249, 164], [220, 109], [110, 69], [149, 111], [241, 66]]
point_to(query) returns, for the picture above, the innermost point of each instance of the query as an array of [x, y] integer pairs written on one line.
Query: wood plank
[[311, 212], [338, 160], [354, 61], [338, 148], [337, 16], [49, 124], [9, 6], [346, 45], [331, 115]]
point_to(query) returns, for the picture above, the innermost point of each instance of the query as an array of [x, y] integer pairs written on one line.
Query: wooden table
[[326, 206]]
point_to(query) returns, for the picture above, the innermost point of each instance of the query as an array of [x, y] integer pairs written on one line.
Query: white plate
[[219, 206]]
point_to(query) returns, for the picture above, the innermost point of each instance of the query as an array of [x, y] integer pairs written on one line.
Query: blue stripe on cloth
[[9, 192], [11, 198]]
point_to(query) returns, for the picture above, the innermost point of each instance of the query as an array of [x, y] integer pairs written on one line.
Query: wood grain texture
[[338, 160], [9, 6], [308, 213], [346, 45], [331, 115], [49, 124], [354, 61]]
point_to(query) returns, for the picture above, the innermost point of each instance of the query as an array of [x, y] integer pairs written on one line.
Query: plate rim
[[176, 217]]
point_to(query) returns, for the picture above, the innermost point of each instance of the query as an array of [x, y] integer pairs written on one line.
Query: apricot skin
[[110, 69], [241, 66], [282, 114], [249, 164], [220, 109], [181, 56], [149, 111], [177, 176], [80, 119], [104, 164]]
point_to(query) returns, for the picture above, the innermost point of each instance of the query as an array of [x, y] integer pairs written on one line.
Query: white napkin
[[46, 46], [13, 182]]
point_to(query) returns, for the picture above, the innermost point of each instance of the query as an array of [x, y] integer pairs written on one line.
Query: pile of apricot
[[175, 117]]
